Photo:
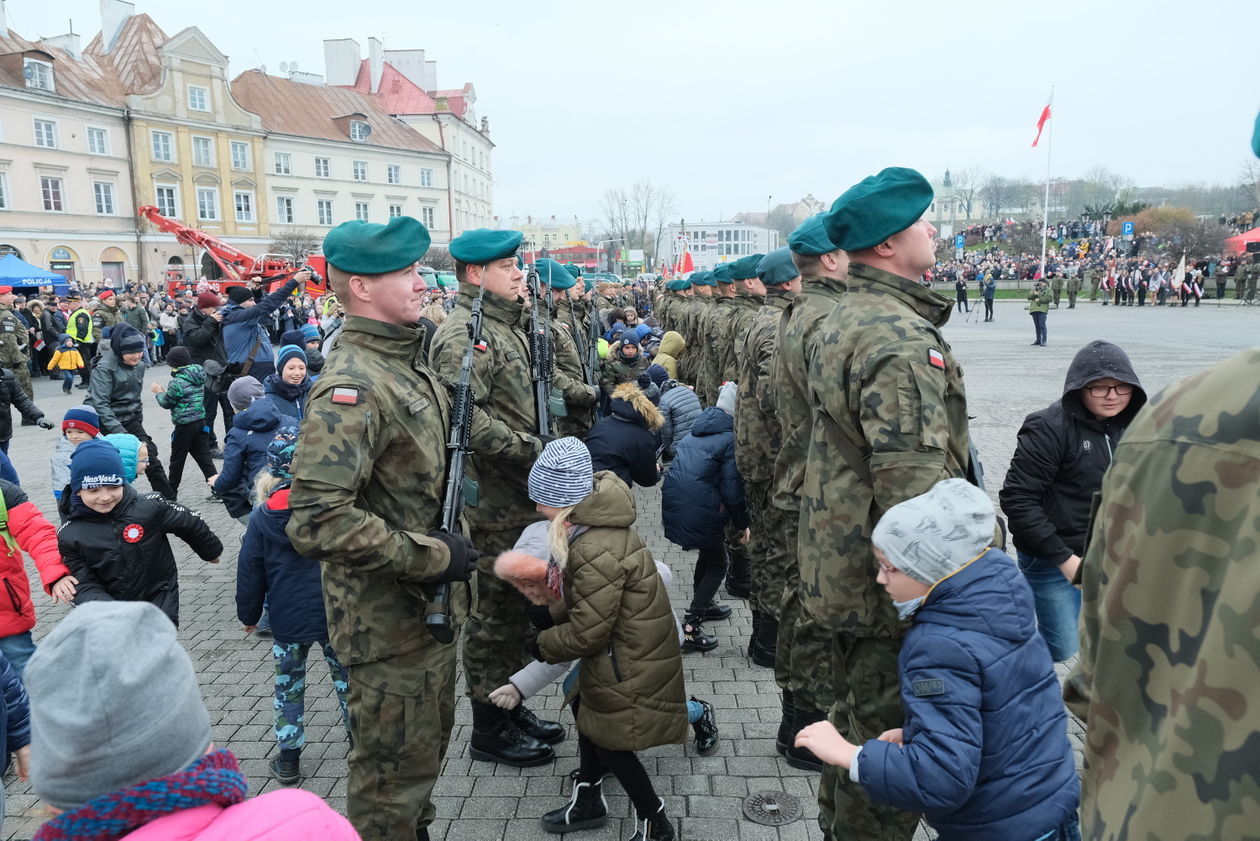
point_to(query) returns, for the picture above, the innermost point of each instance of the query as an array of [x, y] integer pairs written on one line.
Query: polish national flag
[[1041, 123]]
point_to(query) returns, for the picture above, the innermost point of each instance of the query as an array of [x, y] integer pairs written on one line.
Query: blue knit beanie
[[289, 352], [83, 418], [95, 464], [311, 332]]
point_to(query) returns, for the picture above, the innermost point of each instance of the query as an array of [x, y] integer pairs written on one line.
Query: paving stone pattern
[[1005, 377]]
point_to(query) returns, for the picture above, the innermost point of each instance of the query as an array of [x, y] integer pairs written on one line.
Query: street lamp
[[768, 200]]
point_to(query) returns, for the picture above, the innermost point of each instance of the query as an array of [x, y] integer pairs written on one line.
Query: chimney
[[430, 76], [4, 21], [68, 42], [341, 61], [485, 126], [376, 62], [114, 14]]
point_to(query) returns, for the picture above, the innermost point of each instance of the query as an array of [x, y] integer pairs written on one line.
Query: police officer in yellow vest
[[80, 328]]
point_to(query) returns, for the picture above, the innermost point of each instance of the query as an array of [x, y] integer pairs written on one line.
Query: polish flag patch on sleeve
[[346, 396], [936, 359]]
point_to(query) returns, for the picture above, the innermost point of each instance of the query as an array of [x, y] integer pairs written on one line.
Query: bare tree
[[998, 195], [440, 259], [298, 243], [967, 185], [637, 216], [1249, 183]]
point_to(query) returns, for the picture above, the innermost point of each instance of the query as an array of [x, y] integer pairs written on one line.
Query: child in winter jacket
[[614, 616], [24, 529], [15, 725], [701, 495], [185, 398], [80, 424], [983, 753], [625, 440], [245, 448], [115, 540], [269, 571], [67, 360]]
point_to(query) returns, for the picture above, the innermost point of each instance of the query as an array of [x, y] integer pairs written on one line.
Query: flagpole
[[1046, 206]]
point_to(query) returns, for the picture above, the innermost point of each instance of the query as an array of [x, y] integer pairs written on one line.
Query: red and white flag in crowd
[[1041, 123]]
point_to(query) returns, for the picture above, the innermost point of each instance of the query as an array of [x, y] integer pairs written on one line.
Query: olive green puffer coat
[[616, 618]]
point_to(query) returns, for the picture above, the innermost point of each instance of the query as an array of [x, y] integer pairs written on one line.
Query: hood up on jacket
[[629, 403], [673, 344], [1097, 360], [116, 334], [261, 416], [610, 504], [192, 374], [712, 421]]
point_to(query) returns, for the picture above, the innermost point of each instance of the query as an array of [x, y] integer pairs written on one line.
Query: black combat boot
[[655, 827], [705, 728], [586, 809], [756, 631], [714, 611], [285, 766], [783, 739], [765, 642], [496, 738], [803, 758], [738, 579], [694, 637], [548, 732]]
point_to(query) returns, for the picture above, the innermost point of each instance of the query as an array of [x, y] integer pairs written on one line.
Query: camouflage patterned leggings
[[290, 701]]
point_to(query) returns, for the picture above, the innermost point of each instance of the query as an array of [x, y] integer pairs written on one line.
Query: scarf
[[213, 779]]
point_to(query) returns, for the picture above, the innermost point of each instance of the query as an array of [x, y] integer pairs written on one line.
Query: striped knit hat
[[562, 475]]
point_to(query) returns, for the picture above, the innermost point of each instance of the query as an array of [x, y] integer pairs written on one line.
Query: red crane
[[238, 267]]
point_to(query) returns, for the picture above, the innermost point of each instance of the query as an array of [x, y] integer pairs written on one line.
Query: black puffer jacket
[[1061, 454], [13, 397], [125, 555], [626, 441], [203, 336]]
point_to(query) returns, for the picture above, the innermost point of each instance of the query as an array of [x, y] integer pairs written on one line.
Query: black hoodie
[[1061, 454]]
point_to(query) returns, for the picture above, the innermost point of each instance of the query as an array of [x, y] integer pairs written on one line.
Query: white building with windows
[[332, 155], [714, 243]]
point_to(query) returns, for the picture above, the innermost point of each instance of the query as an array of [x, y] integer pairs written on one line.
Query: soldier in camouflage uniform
[[693, 363], [1169, 672], [803, 642], [1073, 287], [1056, 287], [369, 476], [494, 645], [758, 438], [889, 421], [568, 375], [14, 342], [714, 337], [106, 314]]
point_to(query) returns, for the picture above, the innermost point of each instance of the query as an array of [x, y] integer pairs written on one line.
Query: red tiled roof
[[134, 57], [87, 80], [399, 95]]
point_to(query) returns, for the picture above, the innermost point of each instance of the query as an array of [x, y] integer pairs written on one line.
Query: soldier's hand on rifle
[[463, 556]]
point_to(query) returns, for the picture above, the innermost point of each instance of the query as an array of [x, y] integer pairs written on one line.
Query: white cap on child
[[934, 534]]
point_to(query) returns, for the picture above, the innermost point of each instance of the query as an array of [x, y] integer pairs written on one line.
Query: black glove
[[463, 556], [540, 616], [44, 423], [531, 645]]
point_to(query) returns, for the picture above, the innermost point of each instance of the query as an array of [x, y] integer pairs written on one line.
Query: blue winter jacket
[[289, 400], [703, 489], [243, 326], [245, 453], [269, 570], [986, 755], [15, 712], [679, 408]]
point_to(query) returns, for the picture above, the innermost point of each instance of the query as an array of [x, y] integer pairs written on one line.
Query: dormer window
[[38, 74], [359, 130], [198, 98]]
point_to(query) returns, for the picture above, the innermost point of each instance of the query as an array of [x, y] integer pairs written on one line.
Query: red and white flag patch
[[936, 359], [346, 396]]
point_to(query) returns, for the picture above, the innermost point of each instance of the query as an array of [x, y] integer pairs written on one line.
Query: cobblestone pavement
[[476, 801]]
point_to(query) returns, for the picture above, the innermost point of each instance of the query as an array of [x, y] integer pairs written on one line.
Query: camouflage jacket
[[369, 476], [889, 421], [758, 436], [713, 335], [502, 386], [795, 337], [569, 377], [103, 317], [746, 309], [1169, 673], [13, 338], [697, 314]]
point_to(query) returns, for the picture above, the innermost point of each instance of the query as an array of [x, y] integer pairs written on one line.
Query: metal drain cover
[[771, 808]]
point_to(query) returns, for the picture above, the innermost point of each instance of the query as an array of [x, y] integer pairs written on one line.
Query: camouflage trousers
[[494, 639], [868, 702], [290, 700], [22, 373], [767, 582], [402, 711], [802, 642]]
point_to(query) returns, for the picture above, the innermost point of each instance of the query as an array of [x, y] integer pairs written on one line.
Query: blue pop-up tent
[[16, 272]]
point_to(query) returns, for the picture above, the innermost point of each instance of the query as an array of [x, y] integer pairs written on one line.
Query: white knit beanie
[[727, 395], [934, 534], [562, 475]]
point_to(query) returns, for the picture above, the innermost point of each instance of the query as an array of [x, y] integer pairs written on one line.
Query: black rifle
[[539, 358], [437, 611]]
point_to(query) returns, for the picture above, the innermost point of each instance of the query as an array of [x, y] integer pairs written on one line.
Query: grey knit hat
[[114, 702], [934, 534], [243, 391], [562, 475], [727, 395]]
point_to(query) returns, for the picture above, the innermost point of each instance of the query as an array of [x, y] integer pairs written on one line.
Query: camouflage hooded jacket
[[758, 436]]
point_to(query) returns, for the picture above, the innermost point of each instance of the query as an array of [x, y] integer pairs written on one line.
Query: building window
[[426, 178], [98, 141], [208, 204], [360, 170], [361, 211], [393, 174], [198, 98], [322, 168], [39, 74], [46, 134], [426, 216], [395, 210], [359, 130], [163, 145], [323, 211], [104, 193], [240, 154], [167, 202], [51, 190], [284, 210], [4, 192], [203, 151], [282, 163], [244, 202]]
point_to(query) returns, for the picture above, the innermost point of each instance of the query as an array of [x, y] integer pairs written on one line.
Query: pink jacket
[[289, 814]]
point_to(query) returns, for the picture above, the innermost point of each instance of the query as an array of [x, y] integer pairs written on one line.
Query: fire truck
[[235, 267]]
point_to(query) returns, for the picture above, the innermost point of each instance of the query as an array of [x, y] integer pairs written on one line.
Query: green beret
[[746, 267], [777, 267], [553, 274], [588, 283], [366, 248], [703, 279], [483, 245], [677, 285], [877, 207], [810, 237], [722, 274], [573, 269], [1255, 138]]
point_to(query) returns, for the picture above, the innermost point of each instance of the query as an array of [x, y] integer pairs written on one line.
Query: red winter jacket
[[36, 537]]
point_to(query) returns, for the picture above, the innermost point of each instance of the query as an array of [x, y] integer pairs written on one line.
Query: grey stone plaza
[[1006, 378]]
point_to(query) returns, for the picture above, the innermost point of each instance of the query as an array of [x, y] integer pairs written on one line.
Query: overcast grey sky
[[726, 103]]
